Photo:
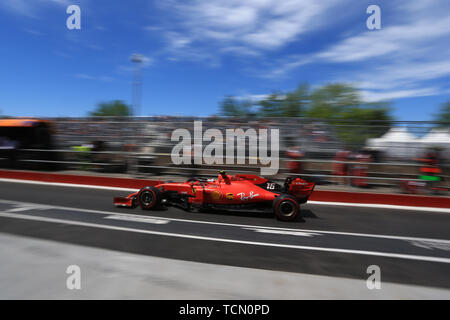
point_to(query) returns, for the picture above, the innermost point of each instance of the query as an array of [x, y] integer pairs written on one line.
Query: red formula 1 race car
[[241, 191]]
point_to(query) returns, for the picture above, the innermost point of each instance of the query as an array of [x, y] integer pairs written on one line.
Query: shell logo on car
[[216, 195], [229, 196]]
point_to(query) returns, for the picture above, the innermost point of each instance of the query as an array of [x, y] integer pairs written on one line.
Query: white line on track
[[289, 233], [125, 217], [379, 206], [363, 205], [369, 235], [60, 184], [277, 245]]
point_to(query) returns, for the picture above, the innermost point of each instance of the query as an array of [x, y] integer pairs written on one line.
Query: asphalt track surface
[[410, 247]]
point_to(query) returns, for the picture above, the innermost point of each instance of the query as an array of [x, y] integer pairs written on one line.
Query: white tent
[[398, 142], [437, 137]]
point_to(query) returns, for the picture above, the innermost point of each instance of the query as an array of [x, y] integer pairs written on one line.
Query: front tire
[[286, 208], [149, 198]]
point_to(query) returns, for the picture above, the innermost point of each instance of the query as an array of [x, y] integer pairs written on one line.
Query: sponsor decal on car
[[250, 196], [230, 196]]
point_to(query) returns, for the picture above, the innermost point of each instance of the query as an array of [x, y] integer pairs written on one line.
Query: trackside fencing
[[142, 146]]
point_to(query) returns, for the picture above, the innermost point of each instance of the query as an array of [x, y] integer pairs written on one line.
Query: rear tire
[[149, 198], [286, 208]]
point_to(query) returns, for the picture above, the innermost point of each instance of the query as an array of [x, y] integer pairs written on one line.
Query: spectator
[[340, 168], [293, 165]]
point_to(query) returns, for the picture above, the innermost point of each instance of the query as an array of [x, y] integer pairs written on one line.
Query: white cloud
[[403, 74], [252, 97], [403, 59], [62, 54], [399, 39], [34, 32], [371, 96], [94, 47], [22, 7], [95, 78], [177, 40], [286, 64], [254, 26], [30, 8]]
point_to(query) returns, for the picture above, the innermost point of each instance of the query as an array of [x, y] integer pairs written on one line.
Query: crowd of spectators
[[300, 141]]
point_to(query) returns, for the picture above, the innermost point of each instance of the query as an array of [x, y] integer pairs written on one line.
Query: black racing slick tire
[[149, 198], [286, 208]]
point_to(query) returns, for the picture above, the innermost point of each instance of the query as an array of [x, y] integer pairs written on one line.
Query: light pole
[[136, 85], [136, 88]]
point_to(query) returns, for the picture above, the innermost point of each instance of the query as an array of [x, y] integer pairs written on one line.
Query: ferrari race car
[[241, 191]]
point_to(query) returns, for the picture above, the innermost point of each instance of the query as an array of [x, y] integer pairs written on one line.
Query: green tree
[[355, 120], [338, 104], [116, 108], [364, 122], [295, 102], [271, 106], [232, 107], [444, 115], [331, 101]]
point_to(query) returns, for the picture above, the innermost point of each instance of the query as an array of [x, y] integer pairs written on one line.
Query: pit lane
[[411, 247]]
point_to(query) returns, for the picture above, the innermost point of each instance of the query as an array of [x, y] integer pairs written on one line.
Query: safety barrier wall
[[318, 195], [133, 132]]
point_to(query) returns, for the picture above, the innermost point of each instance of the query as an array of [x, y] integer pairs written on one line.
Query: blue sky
[[199, 51]]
